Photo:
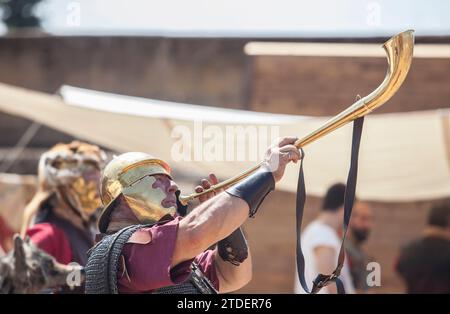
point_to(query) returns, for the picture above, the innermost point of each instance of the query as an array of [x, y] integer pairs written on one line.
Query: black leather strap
[[234, 248], [181, 209], [321, 279], [254, 189]]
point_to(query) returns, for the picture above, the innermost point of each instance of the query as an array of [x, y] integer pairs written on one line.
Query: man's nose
[[173, 187]]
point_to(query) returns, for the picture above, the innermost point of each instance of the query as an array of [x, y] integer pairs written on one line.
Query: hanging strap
[[321, 279]]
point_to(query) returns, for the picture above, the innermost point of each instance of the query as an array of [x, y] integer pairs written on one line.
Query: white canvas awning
[[403, 157]]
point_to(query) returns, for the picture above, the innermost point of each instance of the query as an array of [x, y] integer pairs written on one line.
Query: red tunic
[[148, 263], [52, 240]]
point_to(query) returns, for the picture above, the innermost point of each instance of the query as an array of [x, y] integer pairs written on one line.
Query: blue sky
[[246, 17]]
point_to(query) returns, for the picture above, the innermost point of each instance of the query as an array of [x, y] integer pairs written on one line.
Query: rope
[[10, 158]]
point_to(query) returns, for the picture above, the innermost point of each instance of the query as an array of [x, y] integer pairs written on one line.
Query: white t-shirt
[[319, 234]]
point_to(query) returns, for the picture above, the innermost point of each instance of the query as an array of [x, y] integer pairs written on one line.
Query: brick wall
[[327, 85], [199, 71]]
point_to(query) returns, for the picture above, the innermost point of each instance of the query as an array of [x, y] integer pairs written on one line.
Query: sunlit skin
[[206, 184], [169, 187]]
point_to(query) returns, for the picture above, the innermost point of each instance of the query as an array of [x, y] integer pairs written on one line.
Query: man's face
[[169, 187], [361, 222]]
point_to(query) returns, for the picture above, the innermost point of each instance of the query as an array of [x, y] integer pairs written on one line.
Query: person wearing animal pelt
[[61, 217], [28, 269]]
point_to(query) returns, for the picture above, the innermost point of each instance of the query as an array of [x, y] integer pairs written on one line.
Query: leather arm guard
[[233, 248], [254, 189]]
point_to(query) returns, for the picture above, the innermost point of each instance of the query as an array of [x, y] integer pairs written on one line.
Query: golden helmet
[[131, 175]]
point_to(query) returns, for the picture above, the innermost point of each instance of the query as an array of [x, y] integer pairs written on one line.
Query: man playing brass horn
[[147, 247]]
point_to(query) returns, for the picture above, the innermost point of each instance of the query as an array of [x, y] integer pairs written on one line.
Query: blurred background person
[[424, 264], [361, 224], [321, 243], [61, 217]]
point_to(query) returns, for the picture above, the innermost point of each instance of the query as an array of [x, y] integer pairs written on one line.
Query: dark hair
[[334, 197], [439, 216]]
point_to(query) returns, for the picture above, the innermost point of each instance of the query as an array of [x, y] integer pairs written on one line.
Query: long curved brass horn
[[399, 50]]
